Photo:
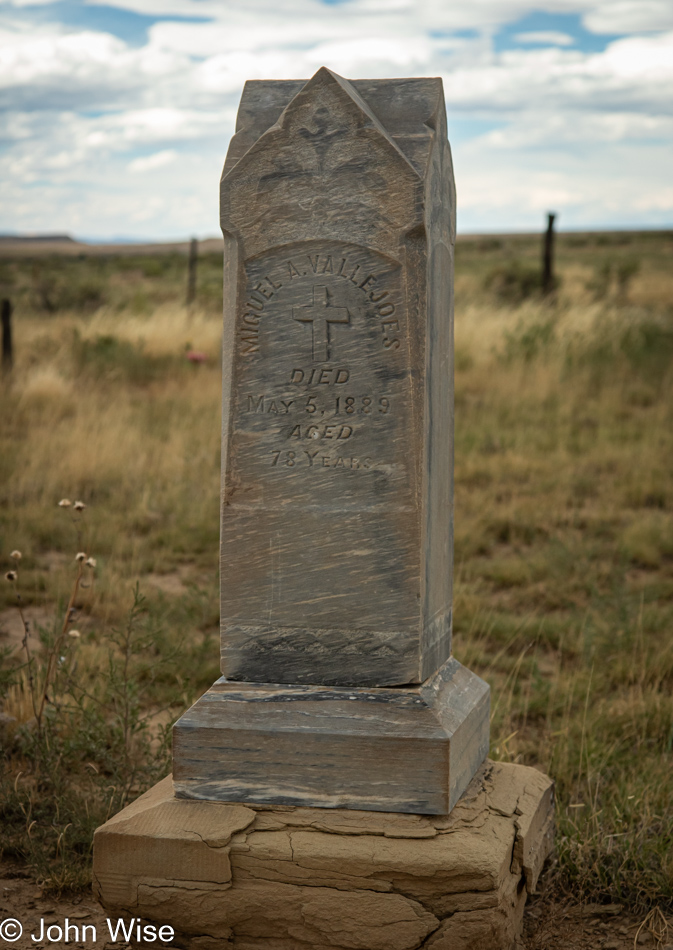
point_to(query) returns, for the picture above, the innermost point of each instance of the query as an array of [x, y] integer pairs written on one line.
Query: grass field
[[564, 538]]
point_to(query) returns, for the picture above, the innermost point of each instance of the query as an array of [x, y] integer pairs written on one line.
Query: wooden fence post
[[191, 271], [548, 280], [7, 350]]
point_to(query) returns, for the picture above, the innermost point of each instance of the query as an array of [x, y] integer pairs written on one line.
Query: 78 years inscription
[[337, 209]]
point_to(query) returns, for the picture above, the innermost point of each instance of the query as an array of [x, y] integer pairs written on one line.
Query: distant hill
[[35, 245], [36, 238]]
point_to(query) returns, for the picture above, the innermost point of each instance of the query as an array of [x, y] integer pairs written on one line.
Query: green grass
[[563, 556]]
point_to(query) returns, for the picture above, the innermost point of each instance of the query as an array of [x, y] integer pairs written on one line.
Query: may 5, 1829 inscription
[[338, 209]]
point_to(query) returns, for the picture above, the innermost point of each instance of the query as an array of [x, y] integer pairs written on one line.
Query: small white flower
[[91, 562], [80, 556], [11, 576], [79, 506], [16, 555], [75, 634], [64, 503]]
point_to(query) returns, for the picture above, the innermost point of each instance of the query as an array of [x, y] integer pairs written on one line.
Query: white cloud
[[25, 58], [654, 199], [637, 71], [26, 3], [366, 56], [591, 187], [602, 16], [88, 115], [546, 37], [150, 163], [83, 70], [563, 130], [627, 16]]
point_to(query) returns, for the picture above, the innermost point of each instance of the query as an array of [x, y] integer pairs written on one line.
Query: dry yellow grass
[[564, 516]]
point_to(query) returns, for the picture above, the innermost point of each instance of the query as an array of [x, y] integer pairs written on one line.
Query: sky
[[116, 115]]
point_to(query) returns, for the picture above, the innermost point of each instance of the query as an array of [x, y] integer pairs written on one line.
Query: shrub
[[648, 345], [528, 340], [612, 277], [58, 286], [108, 357], [514, 282]]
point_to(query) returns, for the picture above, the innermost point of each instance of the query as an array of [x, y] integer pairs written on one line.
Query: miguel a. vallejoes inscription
[[337, 207]]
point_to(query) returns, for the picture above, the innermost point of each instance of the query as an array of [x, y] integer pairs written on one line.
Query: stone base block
[[408, 749], [251, 877]]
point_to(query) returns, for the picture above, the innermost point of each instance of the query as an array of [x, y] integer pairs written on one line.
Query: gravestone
[[312, 783], [338, 687]]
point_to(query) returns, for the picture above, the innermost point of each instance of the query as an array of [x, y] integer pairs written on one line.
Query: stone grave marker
[[312, 783], [338, 687]]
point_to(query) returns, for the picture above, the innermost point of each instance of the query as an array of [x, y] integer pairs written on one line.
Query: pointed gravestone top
[[325, 168]]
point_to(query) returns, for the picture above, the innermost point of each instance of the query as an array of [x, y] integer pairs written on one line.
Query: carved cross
[[321, 315]]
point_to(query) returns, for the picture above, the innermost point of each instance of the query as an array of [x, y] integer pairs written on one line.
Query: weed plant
[[95, 738], [563, 543]]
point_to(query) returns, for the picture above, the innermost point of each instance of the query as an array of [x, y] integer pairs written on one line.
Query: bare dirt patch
[[551, 925], [548, 924], [11, 626], [174, 583], [24, 901], [54, 560]]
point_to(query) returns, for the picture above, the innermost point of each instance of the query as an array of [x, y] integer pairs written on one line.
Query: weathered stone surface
[[307, 879], [338, 747], [535, 829], [151, 832], [337, 208]]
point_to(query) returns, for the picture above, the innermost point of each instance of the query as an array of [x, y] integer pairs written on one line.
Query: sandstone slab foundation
[[269, 877]]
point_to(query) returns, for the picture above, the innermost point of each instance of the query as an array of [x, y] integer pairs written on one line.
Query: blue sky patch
[[128, 26], [541, 22], [462, 129]]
